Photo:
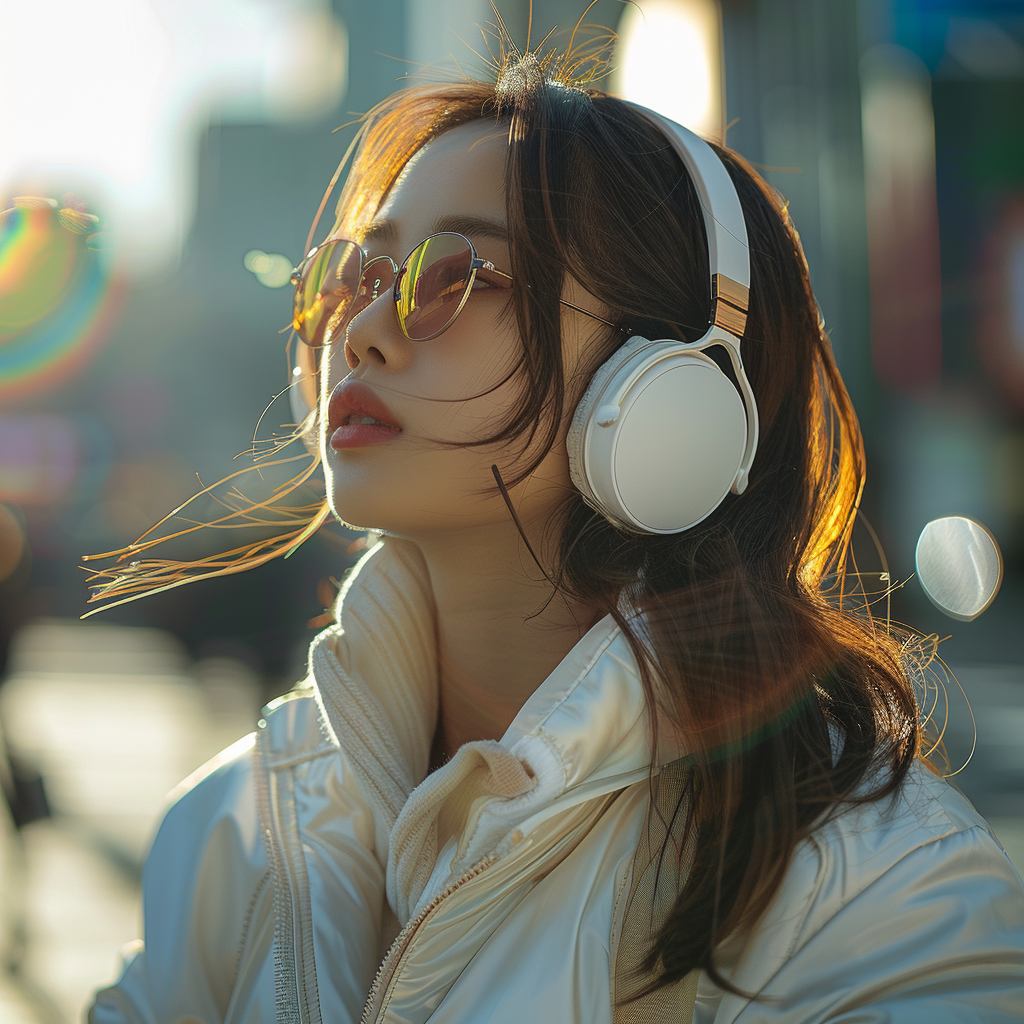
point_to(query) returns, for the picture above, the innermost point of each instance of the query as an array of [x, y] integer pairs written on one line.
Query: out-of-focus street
[[114, 718]]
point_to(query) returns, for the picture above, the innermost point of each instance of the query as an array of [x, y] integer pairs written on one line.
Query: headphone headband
[[728, 250]]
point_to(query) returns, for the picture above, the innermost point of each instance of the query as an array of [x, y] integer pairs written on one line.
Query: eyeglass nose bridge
[[371, 280], [400, 272]]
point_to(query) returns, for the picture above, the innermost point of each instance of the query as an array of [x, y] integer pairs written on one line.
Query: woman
[[586, 744]]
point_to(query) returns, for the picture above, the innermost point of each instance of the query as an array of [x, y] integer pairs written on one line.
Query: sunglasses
[[335, 282]]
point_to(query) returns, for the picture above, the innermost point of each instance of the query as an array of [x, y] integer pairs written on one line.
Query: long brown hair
[[751, 649]]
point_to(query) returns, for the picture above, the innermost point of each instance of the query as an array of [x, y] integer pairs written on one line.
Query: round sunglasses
[[430, 288]]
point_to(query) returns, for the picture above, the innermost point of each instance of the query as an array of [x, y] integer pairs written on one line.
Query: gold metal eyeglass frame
[[492, 276]]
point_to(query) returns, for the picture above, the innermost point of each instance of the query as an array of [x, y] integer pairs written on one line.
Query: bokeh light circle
[[59, 296], [959, 566]]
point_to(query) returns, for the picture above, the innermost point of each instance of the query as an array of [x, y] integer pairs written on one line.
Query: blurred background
[[201, 134]]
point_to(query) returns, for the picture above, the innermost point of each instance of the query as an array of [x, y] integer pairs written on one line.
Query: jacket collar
[[582, 733]]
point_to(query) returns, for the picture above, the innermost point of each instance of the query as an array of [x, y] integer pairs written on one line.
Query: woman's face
[[440, 390]]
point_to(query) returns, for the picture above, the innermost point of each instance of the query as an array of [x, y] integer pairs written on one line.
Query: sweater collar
[[582, 732]]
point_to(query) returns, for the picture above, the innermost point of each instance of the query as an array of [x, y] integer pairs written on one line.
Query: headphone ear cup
[[657, 440], [589, 402]]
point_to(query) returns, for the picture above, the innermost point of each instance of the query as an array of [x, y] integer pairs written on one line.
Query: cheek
[[459, 386], [446, 393]]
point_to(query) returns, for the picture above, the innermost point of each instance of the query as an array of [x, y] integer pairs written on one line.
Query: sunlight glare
[[112, 97], [669, 59]]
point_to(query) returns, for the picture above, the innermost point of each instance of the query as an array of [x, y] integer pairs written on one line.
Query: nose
[[374, 335]]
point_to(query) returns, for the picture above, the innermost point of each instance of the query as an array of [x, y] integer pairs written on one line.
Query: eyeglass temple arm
[[580, 309], [486, 265]]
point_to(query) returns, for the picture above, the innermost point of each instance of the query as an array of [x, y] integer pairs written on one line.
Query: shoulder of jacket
[[924, 809], [224, 789], [877, 861], [222, 773], [293, 728], [924, 825], [292, 722], [218, 794]]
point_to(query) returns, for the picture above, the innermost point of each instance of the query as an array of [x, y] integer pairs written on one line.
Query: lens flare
[[59, 298]]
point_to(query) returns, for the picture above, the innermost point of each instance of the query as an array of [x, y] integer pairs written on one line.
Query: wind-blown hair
[[750, 650]]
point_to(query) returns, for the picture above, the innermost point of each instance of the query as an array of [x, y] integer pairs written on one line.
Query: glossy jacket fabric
[[315, 872]]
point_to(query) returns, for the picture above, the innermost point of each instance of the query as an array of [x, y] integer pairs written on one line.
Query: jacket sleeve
[[937, 937], [203, 883], [272, 847]]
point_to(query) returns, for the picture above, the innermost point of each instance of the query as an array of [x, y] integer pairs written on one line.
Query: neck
[[494, 649]]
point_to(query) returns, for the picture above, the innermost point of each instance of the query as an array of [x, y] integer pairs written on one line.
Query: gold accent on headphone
[[730, 301]]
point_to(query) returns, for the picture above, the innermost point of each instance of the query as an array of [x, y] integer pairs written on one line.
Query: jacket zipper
[[296, 995], [389, 966], [392, 960]]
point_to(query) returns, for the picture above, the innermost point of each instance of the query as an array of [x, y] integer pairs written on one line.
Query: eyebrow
[[464, 224], [484, 227]]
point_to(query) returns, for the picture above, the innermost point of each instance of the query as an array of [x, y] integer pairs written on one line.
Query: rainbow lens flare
[[59, 299]]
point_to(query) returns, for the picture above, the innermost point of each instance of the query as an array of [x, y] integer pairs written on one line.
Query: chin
[[349, 507], [354, 518]]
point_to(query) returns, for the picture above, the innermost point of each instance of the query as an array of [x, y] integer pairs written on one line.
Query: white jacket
[[314, 868]]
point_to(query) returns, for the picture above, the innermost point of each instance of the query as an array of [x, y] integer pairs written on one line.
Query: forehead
[[461, 172]]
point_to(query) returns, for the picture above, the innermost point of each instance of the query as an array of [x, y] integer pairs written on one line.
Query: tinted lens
[[325, 292], [432, 283], [378, 277]]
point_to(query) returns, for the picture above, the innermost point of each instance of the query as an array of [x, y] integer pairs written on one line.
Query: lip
[[354, 397]]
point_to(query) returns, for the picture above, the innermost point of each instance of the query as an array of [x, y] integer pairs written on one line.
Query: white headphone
[[662, 435]]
